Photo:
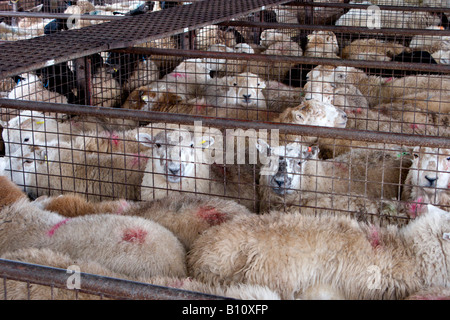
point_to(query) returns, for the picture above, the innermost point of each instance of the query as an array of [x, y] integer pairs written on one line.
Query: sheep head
[[315, 113], [175, 152], [283, 172], [245, 90]]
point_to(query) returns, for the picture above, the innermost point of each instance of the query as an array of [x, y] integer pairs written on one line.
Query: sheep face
[[318, 90], [283, 173], [430, 171], [318, 113], [174, 153], [323, 42], [245, 90]]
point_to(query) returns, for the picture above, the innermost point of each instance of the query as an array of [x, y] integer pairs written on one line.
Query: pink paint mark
[[52, 231], [356, 111], [341, 166], [137, 159], [199, 107], [134, 235], [115, 139], [374, 237], [211, 215], [389, 79], [123, 206], [415, 207], [177, 75]]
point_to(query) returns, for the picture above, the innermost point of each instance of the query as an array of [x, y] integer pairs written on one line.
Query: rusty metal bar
[[95, 284], [57, 15], [336, 29], [291, 59], [365, 6], [152, 116]]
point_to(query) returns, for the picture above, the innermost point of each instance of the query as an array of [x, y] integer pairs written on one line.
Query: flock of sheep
[[325, 218]]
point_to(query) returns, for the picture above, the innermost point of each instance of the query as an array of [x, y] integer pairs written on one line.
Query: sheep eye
[[192, 145], [26, 139], [235, 84], [448, 158], [299, 163], [158, 145], [28, 161], [416, 155], [299, 116], [258, 84]]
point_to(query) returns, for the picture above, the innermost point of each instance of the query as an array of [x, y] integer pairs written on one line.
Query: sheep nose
[[246, 96], [280, 182], [431, 180], [174, 171]]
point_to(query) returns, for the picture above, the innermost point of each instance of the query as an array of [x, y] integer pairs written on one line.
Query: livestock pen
[[193, 114]]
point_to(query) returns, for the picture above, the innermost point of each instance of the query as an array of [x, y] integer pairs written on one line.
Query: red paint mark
[[137, 159], [199, 107], [212, 215], [415, 207], [357, 111], [374, 237], [115, 139], [123, 206], [134, 235], [389, 79], [52, 231], [177, 75]]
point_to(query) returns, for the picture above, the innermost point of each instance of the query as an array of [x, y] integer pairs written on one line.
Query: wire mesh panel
[[300, 107]]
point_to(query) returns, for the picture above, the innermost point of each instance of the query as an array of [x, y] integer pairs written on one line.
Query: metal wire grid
[[333, 134]]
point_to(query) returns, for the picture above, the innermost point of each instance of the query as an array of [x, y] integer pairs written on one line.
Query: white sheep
[[428, 179], [180, 164], [430, 43], [292, 253], [295, 174], [128, 245], [322, 44], [31, 88], [60, 167], [32, 127], [388, 19], [185, 215], [271, 36], [372, 50]]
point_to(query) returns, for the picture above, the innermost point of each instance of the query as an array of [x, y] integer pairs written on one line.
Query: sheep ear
[[145, 139], [311, 152], [4, 124], [262, 146]]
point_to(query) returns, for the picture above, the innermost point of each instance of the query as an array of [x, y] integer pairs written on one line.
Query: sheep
[[185, 215], [131, 246], [432, 293], [32, 127], [442, 56], [428, 179], [275, 70], [430, 43], [145, 72], [31, 88], [371, 50], [239, 96], [213, 34], [280, 96], [388, 19], [295, 174], [271, 36], [291, 253], [322, 44], [180, 164], [60, 167]]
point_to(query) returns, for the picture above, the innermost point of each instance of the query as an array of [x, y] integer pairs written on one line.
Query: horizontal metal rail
[[95, 284], [57, 15], [365, 6], [423, 67], [336, 29], [152, 116]]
